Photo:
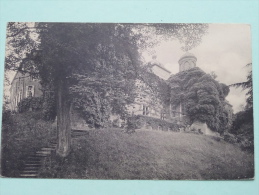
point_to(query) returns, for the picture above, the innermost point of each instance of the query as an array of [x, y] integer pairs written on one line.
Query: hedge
[[140, 121], [32, 103], [46, 105]]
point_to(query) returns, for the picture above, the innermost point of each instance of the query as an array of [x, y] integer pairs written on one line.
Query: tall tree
[[247, 85], [243, 124], [91, 61]]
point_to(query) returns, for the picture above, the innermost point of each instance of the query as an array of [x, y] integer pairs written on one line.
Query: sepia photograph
[[128, 101]]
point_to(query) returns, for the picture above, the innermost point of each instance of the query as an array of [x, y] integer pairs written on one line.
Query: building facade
[[23, 86], [147, 102]]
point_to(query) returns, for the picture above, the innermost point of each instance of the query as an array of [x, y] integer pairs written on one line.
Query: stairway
[[34, 161]]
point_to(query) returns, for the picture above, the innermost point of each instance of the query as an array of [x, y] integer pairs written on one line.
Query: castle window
[[30, 91], [145, 110], [19, 96], [32, 78], [183, 109], [162, 116]]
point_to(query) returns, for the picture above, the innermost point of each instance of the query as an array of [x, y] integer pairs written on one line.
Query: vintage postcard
[[146, 101]]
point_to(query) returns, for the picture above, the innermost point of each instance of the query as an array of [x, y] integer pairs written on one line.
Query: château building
[[23, 86], [147, 101]]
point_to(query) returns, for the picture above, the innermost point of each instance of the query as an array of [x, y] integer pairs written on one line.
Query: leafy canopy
[[98, 62]]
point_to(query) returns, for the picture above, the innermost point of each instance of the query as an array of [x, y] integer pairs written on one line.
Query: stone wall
[[202, 128], [157, 70]]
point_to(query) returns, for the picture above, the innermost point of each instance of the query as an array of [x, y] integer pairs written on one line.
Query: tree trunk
[[63, 120]]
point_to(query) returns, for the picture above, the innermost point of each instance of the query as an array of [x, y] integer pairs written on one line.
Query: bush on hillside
[[139, 121], [30, 104], [243, 129], [46, 105], [7, 117]]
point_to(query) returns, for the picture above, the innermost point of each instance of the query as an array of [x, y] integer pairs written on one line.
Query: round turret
[[187, 61]]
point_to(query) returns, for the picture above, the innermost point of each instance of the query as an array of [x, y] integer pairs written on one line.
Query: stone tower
[[187, 61]]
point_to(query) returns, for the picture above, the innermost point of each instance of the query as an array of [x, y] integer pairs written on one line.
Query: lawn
[[147, 154]]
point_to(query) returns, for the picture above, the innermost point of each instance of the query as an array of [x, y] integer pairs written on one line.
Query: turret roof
[[187, 55]]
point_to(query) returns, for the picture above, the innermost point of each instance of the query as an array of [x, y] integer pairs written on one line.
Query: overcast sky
[[226, 49]]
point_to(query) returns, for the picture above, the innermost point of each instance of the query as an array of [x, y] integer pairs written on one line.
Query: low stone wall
[[145, 122], [202, 128]]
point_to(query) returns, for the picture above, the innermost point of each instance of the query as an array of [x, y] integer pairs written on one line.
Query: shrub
[[139, 121], [94, 109], [245, 142], [228, 137], [30, 104], [46, 105], [7, 117], [243, 129]]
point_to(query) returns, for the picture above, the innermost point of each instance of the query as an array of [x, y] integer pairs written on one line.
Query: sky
[[225, 49]]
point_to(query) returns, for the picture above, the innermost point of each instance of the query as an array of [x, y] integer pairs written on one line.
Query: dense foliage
[[243, 124], [242, 130], [30, 104], [102, 59], [92, 52], [46, 105], [202, 96]]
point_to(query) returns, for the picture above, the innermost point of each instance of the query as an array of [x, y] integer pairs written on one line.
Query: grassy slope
[[24, 134], [112, 154]]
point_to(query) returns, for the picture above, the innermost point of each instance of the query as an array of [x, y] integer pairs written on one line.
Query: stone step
[[28, 175], [33, 165], [78, 134], [29, 171], [34, 159], [41, 155], [46, 149], [79, 130], [33, 162], [42, 152], [31, 168]]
